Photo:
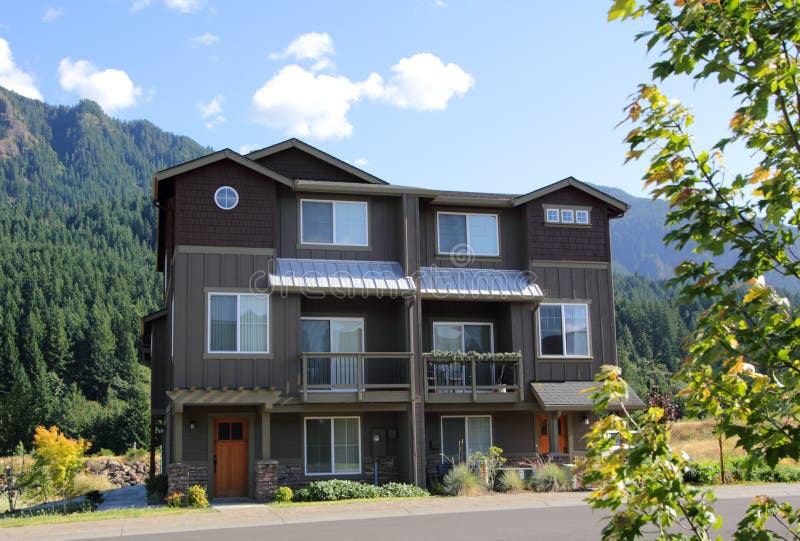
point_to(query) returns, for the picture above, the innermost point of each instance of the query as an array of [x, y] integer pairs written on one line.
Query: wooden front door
[[230, 458], [544, 434]]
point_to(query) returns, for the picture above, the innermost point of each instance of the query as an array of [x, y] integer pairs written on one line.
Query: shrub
[[283, 495], [510, 481], [491, 461], [156, 489], [701, 473], [402, 490], [302, 495], [175, 500], [196, 496], [135, 453], [340, 489], [437, 489], [551, 478], [460, 481], [94, 498], [105, 452]]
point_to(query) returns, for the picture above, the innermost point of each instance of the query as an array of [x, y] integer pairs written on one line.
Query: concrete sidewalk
[[250, 514]]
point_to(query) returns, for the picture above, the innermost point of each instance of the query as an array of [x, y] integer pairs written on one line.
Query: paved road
[[566, 523]]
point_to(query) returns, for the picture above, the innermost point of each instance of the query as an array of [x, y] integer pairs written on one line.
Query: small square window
[[568, 216], [582, 217], [552, 216]]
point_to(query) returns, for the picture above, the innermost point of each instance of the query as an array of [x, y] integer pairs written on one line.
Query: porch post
[[266, 445], [177, 432], [152, 446], [552, 420]]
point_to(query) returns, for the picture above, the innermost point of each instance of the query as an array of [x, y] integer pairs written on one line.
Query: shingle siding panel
[[564, 243], [198, 220]]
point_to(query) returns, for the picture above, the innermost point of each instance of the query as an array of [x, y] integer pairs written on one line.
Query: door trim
[[251, 454]]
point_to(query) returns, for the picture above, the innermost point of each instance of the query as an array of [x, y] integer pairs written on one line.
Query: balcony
[[356, 377], [470, 377]]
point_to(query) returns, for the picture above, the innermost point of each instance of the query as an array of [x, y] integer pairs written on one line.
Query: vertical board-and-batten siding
[[195, 275], [579, 283]]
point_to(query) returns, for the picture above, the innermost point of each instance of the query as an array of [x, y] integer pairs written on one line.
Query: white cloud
[[14, 78], [185, 6], [304, 103], [111, 88], [51, 14], [207, 39], [139, 5], [212, 112], [424, 82], [361, 162], [439, 3], [247, 149], [311, 46], [301, 101]]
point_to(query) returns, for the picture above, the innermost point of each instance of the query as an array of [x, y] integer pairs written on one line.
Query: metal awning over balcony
[[571, 396], [478, 284], [340, 277]]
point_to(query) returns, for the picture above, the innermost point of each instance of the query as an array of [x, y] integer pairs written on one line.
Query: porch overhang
[[571, 396], [478, 284], [264, 398], [340, 277]]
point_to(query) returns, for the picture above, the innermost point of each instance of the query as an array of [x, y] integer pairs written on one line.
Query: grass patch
[[54, 517]]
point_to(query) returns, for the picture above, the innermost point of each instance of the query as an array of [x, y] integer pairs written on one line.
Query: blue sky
[[447, 94]]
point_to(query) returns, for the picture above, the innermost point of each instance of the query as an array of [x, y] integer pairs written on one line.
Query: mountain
[[637, 246], [77, 236]]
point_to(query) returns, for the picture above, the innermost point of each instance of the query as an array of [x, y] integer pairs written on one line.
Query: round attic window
[[226, 198]]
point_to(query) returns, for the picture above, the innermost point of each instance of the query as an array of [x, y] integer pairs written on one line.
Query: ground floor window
[[333, 445], [464, 436]]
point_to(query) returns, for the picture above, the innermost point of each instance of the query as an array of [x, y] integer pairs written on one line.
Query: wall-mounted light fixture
[[586, 419], [191, 424]]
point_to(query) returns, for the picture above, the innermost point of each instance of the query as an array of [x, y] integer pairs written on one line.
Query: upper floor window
[[341, 223], [238, 323], [226, 198], [564, 330], [460, 233], [464, 337], [565, 215]]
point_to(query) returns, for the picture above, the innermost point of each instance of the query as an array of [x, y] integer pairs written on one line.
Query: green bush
[[105, 452], [175, 500], [136, 453], [460, 481], [341, 489], [706, 473], [510, 481], [437, 489], [196, 496], [94, 498], [402, 490], [283, 495], [156, 487], [551, 478]]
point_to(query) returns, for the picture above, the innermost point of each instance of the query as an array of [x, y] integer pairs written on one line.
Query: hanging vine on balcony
[[474, 355]]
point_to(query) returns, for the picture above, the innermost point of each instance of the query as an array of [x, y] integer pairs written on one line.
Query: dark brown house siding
[[568, 243], [294, 163], [198, 220]]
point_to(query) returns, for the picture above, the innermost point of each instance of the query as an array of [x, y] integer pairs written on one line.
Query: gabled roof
[[224, 154], [613, 202], [317, 153], [572, 396]]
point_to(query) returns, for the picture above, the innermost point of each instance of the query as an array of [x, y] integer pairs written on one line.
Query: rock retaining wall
[[121, 473]]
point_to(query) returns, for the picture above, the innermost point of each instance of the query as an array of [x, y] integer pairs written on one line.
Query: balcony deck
[[467, 379], [357, 377]]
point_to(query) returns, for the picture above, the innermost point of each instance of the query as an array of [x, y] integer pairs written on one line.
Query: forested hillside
[[77, 233]]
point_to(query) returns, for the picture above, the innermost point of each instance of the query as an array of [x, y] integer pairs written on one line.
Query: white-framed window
[[335, 335], [460, 233], [567, 216], [564, 330], [582, 217], [238, 323], [332, 445], [337, 223], [552, 216], [226, 198], [463, 336], [464, 435]]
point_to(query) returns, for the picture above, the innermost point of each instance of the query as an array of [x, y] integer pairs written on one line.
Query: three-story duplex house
[[319, 322]]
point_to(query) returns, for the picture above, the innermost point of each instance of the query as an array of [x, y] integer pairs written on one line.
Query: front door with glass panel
[[230, 458], [333, 335], [462, 337]]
